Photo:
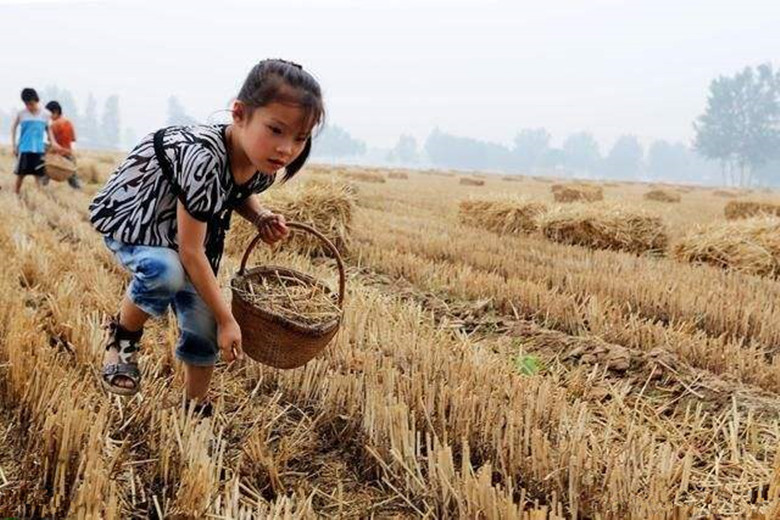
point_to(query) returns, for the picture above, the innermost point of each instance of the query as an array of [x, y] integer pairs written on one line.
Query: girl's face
[[272, 136]]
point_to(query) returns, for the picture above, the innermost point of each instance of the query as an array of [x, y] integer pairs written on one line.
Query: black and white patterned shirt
[[138, 203]]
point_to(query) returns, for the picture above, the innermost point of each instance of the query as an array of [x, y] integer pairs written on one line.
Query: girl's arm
[[192, 235], [271, 225], [252, 210]]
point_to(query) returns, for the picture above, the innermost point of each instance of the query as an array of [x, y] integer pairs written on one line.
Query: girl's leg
[[196, 381], [132, 319], [157, 277], [197, 346], [18, 186]]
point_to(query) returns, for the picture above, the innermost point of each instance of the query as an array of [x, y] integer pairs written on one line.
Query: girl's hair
[[280, 81]]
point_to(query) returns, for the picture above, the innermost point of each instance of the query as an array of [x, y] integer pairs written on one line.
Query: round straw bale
[[467, 181], [750, 245], [577, 193], [605, 227], [397, 175], [327, 205], [662, 195], [366, 176], [743, 209], [509, 215]]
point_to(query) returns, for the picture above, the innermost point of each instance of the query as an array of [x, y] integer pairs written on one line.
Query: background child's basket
[[58, 168], [273, 339]]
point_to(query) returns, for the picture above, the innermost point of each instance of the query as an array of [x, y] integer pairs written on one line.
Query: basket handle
[[323, 238]]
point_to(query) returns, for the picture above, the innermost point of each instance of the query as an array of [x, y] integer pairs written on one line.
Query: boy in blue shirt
[[33, 122]]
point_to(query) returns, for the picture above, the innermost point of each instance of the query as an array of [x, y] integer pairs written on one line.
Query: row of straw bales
[[602, 226], [750, 245], [743, 209]]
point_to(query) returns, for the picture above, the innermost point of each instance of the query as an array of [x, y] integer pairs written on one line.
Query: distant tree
[[582, 151], [625, 159], [531, 144], [177, 115], [89, 133], [334, 141], [741, 124], [109, 124], [463, 152], [552, 158], [405, 150], [668, 161]]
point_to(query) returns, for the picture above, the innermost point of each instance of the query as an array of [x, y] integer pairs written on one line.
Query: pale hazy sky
[[482, 69]]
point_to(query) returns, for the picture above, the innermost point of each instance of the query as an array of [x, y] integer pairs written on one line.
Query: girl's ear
[[238, 111]]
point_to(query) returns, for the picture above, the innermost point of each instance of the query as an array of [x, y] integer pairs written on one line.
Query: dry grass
[[743, 209], [726, 194], [291, 298], [326, 205], [661, 195], [467, 181], [397, 175], [605, 227], [576, 193], [751, 246], [509, 215]]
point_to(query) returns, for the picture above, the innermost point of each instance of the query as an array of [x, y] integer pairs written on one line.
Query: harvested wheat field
[[477, 374]]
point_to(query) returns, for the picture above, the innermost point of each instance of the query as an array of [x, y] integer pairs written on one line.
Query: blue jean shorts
[[159, 281]]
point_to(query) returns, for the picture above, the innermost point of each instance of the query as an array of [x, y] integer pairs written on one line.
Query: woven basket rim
[[292, 325]]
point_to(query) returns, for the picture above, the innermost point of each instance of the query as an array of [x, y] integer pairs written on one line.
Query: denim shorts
[[159, 281]]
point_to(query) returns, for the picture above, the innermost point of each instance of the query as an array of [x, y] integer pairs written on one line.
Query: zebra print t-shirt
[[138, 203]]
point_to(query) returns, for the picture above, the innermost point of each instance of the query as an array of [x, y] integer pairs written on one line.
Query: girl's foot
[[120, 369]]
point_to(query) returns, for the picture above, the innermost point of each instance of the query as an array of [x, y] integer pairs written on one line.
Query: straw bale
[[512, 178], [662, 195], [750, 245], [397, 175], [366, 176], [577, 193], [327, 206], [510, 215], [605, 227], [467, 181], [743, 209]]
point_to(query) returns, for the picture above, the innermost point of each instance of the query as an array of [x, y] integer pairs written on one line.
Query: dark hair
[[54, 107], [29, 94], [283, 81]]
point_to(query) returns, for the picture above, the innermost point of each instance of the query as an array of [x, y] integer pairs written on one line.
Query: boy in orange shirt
[[65, 135]]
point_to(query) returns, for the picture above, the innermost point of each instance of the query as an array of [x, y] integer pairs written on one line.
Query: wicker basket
[[275, 340], [58, 168]]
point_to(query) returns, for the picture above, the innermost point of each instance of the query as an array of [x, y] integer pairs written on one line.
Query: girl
[[165, 211]]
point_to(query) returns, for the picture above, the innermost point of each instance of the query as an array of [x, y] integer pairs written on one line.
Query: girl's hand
[[272, 227], [229, 340]]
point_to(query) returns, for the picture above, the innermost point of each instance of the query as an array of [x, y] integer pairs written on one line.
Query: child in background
[[33, 122], [65, 135], [165, 210]]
